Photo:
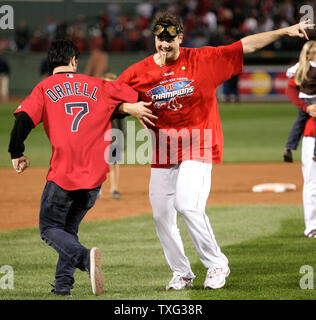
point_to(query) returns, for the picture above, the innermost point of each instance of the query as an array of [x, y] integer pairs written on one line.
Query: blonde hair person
[[304, 74], [307, 54]]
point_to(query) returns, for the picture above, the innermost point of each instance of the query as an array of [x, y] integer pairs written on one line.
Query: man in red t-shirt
[[76, 112], [187, 137]]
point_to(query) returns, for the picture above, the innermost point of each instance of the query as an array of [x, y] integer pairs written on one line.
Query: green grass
[[253, 132], [264, 245], [256, 132]]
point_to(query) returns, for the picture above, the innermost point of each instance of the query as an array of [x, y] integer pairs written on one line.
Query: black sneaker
[[60, 292], [287, 155]]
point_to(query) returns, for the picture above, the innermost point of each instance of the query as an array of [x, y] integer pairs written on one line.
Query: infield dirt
[[231, 185]]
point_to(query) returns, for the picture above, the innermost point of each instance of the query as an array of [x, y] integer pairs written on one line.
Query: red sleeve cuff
[[292, 92]]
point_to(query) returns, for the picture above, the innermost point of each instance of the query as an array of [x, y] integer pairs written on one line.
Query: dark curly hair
[[60, 52], [165, 17]]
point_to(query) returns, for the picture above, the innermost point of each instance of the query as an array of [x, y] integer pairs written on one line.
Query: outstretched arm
[[257, 41]]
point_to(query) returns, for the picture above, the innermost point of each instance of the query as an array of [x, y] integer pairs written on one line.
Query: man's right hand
[[20, 164], [311, 110], [139, 111]]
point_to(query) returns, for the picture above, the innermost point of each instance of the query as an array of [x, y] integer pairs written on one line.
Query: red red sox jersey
[[183, 95], [75, 110]]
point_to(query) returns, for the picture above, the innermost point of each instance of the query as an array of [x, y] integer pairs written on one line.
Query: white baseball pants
[[184, 189], [309, 187]]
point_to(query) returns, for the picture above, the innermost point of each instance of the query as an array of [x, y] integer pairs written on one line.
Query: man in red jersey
[[187, 137], [76, 112]]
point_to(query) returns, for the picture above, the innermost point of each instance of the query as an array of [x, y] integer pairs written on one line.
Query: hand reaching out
[[298, 30], [139, 111]]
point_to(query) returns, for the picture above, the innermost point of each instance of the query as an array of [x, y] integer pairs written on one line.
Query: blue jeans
[[61, 213]]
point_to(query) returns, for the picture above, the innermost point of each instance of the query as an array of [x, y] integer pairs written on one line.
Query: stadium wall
[[257, 82], [25, 69], [36, 12]]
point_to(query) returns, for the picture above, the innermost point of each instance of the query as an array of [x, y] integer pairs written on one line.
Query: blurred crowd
[[206, 22]]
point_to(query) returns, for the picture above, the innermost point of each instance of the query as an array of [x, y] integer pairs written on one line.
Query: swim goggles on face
[[166, 30]]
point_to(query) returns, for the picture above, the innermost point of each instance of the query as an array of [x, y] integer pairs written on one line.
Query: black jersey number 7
[[84, 110]]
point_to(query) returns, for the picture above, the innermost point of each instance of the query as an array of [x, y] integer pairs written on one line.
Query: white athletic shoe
[[179, 283], [216, 277], [96, 275]]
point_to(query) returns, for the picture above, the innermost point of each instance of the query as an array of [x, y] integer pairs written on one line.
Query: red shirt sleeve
[[224, 61], [119, 92], [292, 92], [33, 105], [128, 76]]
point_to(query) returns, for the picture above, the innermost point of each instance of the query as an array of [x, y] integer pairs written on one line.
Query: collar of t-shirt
[[61, 72], [312, 63]]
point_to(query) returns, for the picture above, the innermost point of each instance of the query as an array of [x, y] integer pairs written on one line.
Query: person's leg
[[58, 207], [115, 157], [295, 135], [192, 191], [114, 181], [118, 153], [64, 275], [116, 137], [162, 195], [297, 130], [193, 188], [83, 200], [309, 187]]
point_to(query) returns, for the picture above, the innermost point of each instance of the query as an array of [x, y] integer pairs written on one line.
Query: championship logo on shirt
[[168, 92]]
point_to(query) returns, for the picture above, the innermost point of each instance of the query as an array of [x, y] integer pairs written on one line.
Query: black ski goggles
[[168, 31]]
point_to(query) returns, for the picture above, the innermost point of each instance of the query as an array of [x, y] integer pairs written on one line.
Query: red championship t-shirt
[[75, 110], [183, 95]]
